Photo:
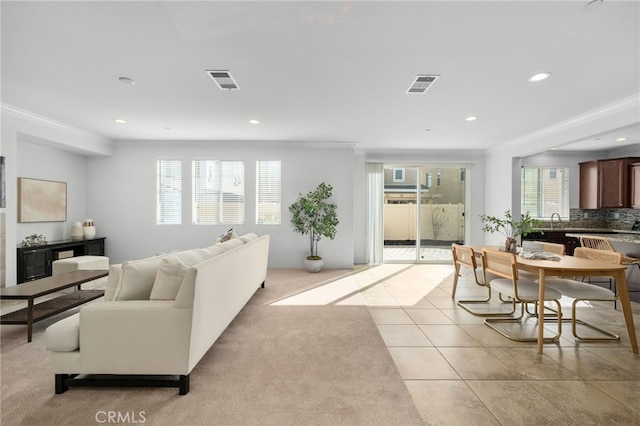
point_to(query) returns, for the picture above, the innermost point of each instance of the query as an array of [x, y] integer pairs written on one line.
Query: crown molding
[[48, 122], [241, 144], [630, 104]]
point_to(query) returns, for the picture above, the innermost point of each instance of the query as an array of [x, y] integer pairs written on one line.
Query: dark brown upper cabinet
[[606, 184]]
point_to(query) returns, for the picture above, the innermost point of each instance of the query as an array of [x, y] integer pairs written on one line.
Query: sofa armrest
[[135, 337]]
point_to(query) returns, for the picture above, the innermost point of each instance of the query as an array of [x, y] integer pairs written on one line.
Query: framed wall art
[[41, 200]]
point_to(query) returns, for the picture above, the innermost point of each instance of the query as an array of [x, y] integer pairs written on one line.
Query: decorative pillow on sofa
[[248, 237], [138, 277], [231, 244], [230, 234], [168, 279], [213, 251], [113, 281], [190, 257]]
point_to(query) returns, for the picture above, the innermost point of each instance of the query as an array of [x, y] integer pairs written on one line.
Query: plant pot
[[314, 264]]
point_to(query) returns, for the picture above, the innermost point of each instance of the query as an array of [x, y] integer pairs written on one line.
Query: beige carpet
[[274, 365]]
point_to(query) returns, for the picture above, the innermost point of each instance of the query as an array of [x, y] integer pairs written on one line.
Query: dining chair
[[523, 291], [465, 258], [583, 291], [599, 243], [555, 248]]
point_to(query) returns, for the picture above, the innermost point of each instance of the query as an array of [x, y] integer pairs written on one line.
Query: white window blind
[[218, 192], [169, 192], [545, 190], [268, 187]]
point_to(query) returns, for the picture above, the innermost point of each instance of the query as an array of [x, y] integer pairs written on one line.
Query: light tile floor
[[461, 372], [408, 254]]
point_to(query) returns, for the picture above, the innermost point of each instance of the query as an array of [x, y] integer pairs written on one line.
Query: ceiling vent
[[224, 80], [422, 83]]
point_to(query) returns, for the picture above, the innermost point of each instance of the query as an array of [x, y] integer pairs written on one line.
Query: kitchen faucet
[[559, 219]]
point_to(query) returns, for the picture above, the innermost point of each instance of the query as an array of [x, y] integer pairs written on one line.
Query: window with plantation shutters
[[218, 192], [268, 185], [545, 191], [169, 192]]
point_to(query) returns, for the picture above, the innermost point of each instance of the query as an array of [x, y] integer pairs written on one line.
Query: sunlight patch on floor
[[383, 285]]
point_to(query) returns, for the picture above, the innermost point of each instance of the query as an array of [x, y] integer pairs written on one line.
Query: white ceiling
[[333, 71]]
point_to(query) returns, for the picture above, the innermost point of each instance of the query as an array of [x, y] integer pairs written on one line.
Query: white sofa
[[159, 317]]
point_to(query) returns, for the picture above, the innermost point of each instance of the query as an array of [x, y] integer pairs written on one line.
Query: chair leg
[[491, 321], [575, 321], [456, 274], [463, 303]]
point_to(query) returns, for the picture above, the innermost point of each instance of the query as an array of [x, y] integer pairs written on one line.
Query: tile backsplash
[[609, 218]]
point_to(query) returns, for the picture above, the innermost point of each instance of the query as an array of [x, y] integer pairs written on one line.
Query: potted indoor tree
[[313, 215], [509, 227]]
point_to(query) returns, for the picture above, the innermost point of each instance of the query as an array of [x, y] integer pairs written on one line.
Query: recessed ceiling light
[[471, 118], [126, 80], [254, 121], [554, 149], [539, 77], [119, 120], [167, 128], [621, 139]]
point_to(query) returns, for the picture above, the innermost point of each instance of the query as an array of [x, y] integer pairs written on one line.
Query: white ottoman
[[80, 262]]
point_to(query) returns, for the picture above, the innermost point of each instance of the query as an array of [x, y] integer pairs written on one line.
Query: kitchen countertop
[[582, 230], [623, 237]]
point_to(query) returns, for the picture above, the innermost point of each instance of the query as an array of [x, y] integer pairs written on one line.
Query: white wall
[[122, 198], [59, 166], [56, 152]]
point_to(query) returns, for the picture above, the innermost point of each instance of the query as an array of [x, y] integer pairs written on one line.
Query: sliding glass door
[[423, 212]]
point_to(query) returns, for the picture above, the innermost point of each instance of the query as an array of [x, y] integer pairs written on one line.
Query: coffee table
[[31, 290]]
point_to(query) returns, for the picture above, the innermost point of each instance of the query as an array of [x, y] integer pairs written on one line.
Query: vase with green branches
[[509, 227]]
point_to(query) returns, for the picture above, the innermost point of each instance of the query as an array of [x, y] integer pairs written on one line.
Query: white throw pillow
[[113, 281], [231, 244], [138, 277], [213, 251], [168, 279], [189, 257], [248, 237]]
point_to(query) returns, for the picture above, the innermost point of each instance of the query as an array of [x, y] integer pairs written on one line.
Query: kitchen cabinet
[[606, 184], [553, 236], [635, 185], [589, 185]]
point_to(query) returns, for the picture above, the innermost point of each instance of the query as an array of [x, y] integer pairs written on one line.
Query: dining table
[[570, 266]]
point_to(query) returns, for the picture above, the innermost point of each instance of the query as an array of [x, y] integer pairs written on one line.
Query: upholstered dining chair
[[465, 258], [520, 290], [555, 248], [599, 243], [582, 291]]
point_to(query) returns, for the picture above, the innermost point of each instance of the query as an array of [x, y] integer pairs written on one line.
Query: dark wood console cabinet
[[35, 262]]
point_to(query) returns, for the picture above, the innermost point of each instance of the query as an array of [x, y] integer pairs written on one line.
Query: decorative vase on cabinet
[[76, 231], [88, 229]]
